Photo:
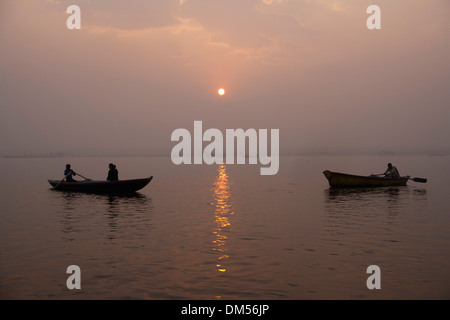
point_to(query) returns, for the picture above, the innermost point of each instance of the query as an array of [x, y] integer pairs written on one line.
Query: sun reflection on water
[[222, 212]]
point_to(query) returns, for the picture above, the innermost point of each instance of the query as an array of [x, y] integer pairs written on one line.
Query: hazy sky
[[137, 70]]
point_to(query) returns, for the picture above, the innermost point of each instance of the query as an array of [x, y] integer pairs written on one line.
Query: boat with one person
[[101, 186], [343, 180]]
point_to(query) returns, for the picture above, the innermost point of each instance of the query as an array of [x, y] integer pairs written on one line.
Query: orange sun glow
[[221, 91]]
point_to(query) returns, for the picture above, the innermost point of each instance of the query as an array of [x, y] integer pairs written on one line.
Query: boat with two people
[[109, 186]]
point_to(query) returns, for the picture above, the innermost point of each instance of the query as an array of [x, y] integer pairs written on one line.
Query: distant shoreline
[[304, 154]]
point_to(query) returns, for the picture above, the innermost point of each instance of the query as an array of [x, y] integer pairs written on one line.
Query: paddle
[[83, 177], [421, 180], [62, 180]]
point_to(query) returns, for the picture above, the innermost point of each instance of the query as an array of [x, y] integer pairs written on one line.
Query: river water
[[225, 231]]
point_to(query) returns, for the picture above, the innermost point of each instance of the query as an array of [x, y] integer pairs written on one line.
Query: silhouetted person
[[69, 173], [391, 171], [113, 174]]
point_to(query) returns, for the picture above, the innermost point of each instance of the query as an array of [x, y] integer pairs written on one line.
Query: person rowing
[[391, 171], [69, 173]]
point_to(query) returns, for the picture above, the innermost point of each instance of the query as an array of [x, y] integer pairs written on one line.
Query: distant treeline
[[41, 155]]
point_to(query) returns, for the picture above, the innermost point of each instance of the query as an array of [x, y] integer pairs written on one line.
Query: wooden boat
[[96, 186], [343, 180]]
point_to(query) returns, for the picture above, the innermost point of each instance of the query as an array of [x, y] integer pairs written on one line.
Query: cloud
[[266, 30], [254, 29]]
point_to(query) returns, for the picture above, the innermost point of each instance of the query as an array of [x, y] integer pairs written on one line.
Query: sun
[[221, 91]]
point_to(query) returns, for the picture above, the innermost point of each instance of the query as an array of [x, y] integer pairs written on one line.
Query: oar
[[83, 176], [62, 180], [421, 180]]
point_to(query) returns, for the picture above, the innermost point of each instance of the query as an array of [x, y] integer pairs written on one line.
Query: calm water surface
[[225, 232]]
